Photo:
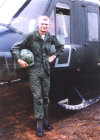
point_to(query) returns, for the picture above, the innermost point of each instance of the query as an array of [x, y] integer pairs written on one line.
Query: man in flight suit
[[39, 42]]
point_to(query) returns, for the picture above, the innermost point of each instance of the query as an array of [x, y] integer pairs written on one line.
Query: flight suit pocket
[[35, 51], [47, 66], [47, 48]]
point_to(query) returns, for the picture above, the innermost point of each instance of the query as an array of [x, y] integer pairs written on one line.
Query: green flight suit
[[39, 73]]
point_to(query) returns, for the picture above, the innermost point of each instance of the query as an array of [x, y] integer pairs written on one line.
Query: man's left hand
[[51, 58]]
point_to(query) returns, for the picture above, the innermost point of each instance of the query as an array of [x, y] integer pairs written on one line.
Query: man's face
[[43, 25]]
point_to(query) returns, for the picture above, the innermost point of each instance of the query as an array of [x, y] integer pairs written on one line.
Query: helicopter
[[75, 23]]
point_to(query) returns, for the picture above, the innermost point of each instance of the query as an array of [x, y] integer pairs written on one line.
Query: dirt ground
[[17, 118]]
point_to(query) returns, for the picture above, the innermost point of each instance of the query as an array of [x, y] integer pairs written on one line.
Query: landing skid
[[82, 105], [8, 83]]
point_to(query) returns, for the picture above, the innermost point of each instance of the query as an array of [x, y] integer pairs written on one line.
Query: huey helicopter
[[76, 23]]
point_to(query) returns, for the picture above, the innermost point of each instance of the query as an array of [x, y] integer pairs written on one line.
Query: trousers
[[39, 84]]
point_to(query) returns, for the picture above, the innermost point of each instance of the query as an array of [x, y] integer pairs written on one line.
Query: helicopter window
[[63, 24], [93, 27]]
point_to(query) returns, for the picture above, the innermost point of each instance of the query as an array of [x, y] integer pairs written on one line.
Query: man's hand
[[51, 58], [22, 63]]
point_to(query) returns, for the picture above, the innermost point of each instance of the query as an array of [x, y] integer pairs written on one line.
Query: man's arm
[[59, 49], [15, 51], [58, 46]]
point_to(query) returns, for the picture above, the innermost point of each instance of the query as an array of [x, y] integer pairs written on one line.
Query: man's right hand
[[22, 63]]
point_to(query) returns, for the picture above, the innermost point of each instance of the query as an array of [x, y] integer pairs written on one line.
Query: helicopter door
[[63, 33], [92, 36]]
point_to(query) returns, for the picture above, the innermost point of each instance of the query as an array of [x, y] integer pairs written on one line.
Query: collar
[[37, 35]]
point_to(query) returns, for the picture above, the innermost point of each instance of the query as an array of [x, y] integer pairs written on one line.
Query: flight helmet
[[27, 56]]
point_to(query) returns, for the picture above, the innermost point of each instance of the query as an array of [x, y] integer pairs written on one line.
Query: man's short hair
[[46, 18]]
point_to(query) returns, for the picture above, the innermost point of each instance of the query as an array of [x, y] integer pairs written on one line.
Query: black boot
[[39, 128], [46, 125]]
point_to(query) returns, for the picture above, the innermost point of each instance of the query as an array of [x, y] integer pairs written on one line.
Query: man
[[39, 42]]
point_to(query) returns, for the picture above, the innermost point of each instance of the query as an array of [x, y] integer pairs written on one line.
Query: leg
[[45, 92], [35, 86], [45, 89]]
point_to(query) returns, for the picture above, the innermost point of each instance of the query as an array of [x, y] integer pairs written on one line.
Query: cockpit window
[[26, 21], [52, 23], [8, 8], [63, 23]]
